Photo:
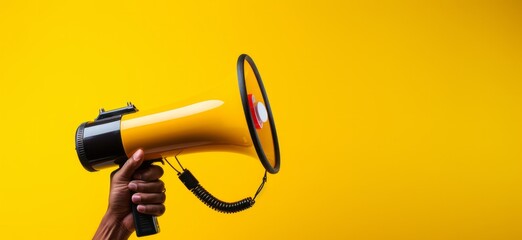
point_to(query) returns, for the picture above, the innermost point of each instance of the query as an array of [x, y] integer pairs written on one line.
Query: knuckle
[[160, 171], [156, 172], [163, 197], [161, 185], [162, 209]]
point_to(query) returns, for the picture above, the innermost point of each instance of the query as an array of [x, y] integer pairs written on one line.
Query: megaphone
[[241, 123]]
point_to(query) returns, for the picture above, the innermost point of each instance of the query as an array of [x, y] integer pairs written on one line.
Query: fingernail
[[136, 198], [141, 208], [133, 186], [138, 155]]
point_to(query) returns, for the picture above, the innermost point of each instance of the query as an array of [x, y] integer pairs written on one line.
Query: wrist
[[112, 228]]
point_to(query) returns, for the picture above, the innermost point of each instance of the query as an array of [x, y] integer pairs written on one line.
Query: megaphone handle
[[145, 224]]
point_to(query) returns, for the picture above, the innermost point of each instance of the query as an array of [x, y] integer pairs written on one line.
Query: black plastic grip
[[145, 224]]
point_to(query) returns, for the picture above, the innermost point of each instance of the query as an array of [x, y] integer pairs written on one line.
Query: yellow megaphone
[[242, 124]]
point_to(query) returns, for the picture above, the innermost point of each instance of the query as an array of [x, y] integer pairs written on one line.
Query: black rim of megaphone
[[250, 122]]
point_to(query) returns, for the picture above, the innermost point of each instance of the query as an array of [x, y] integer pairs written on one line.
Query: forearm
[[110, 228]]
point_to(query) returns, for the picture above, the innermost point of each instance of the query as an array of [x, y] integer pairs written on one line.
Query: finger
[[151, 173], [152, 209], [147, 187], [130, 166], [148, 198]]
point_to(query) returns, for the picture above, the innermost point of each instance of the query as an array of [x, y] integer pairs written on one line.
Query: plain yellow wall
[[396, 119]]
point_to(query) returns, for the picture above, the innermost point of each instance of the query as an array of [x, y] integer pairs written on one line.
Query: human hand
[[118, 222]]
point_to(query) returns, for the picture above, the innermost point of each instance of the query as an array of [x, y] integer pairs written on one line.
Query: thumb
[[131, 165]]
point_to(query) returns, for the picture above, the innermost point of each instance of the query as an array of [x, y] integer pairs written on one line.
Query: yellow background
[[396, 120]]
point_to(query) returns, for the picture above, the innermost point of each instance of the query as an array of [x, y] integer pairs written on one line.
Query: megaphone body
[[207, 125], [241, 123]]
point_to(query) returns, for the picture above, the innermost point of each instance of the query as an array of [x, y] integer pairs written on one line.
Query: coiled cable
[[202, 194], [225, 207]]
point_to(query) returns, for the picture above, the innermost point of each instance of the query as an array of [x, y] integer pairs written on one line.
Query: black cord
[[202, 194], [172, 166], [261, 186], [177, 160]]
